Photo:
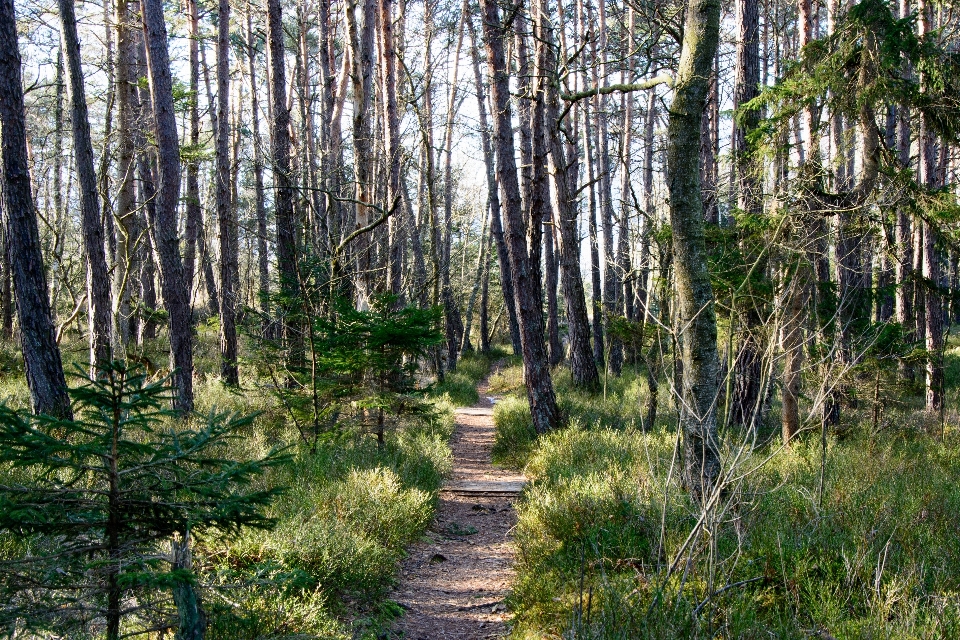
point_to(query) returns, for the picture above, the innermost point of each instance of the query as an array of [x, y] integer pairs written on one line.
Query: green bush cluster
[[603, 528], [459, 386], [342, 527]]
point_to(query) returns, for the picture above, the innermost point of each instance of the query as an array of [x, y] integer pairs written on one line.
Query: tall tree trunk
[[362, 52], [746, 401], [263, 259], [98, 281], [624, 269], [595, 273], [611, 278], [166, 240], [933, 304], [129, 233], [452, 319], [285, 219], [695, 302], [393, 159], [543, 403], [493, 195], [226, 214], [649, 208], [583, 366], [41, 356], [194, 212]]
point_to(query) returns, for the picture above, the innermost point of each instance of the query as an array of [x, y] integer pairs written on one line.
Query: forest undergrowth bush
[[347, 511], [604, 542], [459, 386], [351, 509]]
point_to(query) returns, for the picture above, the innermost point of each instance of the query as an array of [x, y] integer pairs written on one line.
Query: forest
[[426, 319]]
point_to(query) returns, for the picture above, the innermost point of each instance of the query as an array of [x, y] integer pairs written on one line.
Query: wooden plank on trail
[[501, 487], [474, 411]]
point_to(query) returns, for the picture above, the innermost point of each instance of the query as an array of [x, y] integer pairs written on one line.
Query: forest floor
[[453, 583]]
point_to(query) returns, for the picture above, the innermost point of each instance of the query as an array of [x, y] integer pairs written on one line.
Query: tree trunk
[[543, 403], [263, 259], [394, 149], [933, 304], [41, 356], [98, 280], [611, 277], [493, 194], [166, 240], [695, 300], [285, 219], [226, 214], [194, 212], [583, 366], [129, 234], [746, 401], [595, 273]]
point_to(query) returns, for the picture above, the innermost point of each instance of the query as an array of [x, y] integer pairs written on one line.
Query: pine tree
[[87, 507]]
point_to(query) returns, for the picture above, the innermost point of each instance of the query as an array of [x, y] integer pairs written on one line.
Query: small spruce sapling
[[90, 507]]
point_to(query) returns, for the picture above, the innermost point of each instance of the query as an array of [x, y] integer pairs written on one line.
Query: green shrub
[[514, 436]]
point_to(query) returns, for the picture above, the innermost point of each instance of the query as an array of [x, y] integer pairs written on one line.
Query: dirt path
[[453, 586]]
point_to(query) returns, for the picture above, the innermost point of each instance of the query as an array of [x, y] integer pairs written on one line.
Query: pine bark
[[226, 214], [583, 366], [285, 219], [263, 259], [540, 393], [745, 403], [41, 355], [194, 217], [98, 281], [493, 195], [165, 238]]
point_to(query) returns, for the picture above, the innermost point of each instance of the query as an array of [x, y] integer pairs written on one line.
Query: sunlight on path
[[453, 586]]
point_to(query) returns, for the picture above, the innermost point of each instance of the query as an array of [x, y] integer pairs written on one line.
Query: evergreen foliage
[[89, 506], [362, 368]]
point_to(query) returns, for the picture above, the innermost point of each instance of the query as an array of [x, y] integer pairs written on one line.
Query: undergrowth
[[350, 509], [603, 528]]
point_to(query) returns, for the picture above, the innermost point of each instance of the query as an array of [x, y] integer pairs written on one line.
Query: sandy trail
[[453, 586]]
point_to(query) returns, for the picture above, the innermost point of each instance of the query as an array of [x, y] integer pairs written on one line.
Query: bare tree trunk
[[595, 273], [695, 301], [263, 259], [166, 241], [611, 278], [129, 229], [41, 356], [194, 212], [362, 52], [286, 221], [226, 214], [543, 403], [493, 195], [933, 305], [452, 319], [394, 149], [649, 208], [746, 401], [98, 281], [582, 363]]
